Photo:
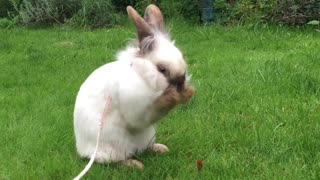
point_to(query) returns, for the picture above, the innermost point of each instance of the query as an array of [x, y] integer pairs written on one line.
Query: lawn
[[256, 112]]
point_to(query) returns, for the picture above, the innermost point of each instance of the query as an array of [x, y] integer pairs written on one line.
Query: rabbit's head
[[156, 47]]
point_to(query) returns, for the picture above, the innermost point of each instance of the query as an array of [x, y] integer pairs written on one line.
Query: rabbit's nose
[[178, 82]]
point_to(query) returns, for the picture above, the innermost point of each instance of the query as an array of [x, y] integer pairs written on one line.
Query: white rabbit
[[147, 80]]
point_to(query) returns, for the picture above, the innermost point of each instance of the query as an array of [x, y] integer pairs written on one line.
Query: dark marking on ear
[[147, 45], [143, 28], [154, 18]]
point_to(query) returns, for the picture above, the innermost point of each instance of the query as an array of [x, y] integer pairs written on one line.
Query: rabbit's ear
[[154, 17], [143, 29]]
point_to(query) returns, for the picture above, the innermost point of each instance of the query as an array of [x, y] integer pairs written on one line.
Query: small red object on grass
[[199, 165]]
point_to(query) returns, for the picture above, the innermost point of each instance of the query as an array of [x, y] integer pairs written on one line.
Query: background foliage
[[291, 12], [101, 13]]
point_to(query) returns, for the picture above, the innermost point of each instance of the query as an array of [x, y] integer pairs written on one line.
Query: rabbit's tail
[[104, 115]]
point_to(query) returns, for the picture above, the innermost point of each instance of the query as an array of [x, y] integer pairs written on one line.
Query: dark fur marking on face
[[163, 70], [178, 82]]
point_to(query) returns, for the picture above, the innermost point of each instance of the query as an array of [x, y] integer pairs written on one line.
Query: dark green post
[[206, 11]]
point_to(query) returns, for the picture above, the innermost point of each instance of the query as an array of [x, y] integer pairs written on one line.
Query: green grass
[[256, 112]]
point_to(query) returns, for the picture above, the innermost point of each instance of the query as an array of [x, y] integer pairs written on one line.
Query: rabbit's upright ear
[[143, 29], [154, 17]]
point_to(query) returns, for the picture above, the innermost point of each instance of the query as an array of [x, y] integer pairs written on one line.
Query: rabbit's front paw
[[186, 94], [168, 99]]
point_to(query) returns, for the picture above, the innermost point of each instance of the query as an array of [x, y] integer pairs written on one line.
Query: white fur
[[134, 84]]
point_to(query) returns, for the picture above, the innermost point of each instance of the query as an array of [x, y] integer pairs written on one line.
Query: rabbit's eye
[[162, 69]]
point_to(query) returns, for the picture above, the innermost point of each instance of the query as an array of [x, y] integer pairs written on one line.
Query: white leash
[[88, 166]]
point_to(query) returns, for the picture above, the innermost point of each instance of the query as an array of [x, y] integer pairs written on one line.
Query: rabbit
[[148, 79]]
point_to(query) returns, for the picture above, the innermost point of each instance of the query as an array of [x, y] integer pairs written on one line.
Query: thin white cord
[[88, 166]]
